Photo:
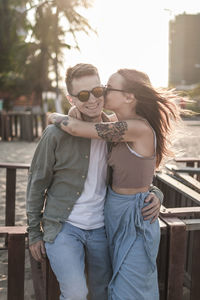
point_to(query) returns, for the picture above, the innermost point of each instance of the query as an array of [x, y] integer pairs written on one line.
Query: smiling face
[[93, 107]]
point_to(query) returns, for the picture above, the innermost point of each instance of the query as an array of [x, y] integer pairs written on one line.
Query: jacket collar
[[105, 117]]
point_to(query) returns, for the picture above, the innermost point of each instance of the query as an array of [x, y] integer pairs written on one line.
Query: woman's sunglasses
[[109, 89], [84, 96]]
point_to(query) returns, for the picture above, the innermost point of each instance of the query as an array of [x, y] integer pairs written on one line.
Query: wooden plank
[[188, 263], [195, 286], [198, 175], [21, 132], [176, 258], [189, 181], [7, 127], [184, 177], [14, 165], [36, 125], [193, 211], [11, 126], [187, 159], [1, 125], [38, 279], [163, 226], [28, 129], [10, 197], [51, 283], [190, 170], [16, 125], [16, 262], [5, 230], [192, 224], [178, 186], [162, 260]]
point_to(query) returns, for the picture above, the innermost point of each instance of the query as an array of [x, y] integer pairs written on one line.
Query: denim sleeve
[[39, 179], [157, 192]]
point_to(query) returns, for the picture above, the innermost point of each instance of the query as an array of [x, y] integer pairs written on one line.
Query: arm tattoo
[[112, 132], [63, 120]]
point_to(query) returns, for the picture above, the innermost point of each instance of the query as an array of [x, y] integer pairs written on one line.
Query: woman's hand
[[75, 113], [54, 117], [63, 122]]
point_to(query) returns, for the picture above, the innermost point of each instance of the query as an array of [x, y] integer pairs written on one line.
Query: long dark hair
[[156, 106]]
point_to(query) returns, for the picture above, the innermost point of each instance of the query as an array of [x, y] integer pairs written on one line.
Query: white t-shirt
[[87, 212]]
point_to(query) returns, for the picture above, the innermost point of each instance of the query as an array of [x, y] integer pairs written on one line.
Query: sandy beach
[[187, 144]]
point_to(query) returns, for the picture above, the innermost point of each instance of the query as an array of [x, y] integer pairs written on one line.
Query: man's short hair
[[78, 71]]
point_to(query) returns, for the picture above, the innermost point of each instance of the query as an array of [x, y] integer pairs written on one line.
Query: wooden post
[[195, 286], [16, 125], [36, 125], [162, 261], [28, 127], [1, 125], [176, 258], [50, 282], [43, 121], [16, 259], [10, 196], [10, 120], [44, 281], [21, 126], [38, 279]]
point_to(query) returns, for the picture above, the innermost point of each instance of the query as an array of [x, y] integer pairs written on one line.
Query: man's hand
[[152, 210], [38, 251]]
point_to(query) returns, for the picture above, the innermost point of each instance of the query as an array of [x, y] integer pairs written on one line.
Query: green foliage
[[32, 48]]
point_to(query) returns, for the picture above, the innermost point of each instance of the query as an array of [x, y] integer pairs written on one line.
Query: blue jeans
[[74, 251]]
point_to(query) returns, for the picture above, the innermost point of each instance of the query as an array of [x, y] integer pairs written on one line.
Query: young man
[[67, 181]]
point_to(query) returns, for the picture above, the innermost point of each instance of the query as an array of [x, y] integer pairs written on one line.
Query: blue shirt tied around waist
[[133, 245]]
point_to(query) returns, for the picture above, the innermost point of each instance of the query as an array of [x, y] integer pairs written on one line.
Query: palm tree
[[49, 36], [25, 64], [13, 48]]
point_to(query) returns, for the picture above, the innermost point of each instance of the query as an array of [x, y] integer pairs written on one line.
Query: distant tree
[[13, 48], [49, 36], [32, 49]]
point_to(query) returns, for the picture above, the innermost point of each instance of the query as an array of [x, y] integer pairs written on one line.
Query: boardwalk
[[188, 144]]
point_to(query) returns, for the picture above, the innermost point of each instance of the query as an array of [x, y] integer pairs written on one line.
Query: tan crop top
[[130, 169]]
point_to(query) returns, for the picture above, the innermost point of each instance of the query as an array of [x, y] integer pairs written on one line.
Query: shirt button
[[68, 208], [78, 193], [83, 176], [86, 156]]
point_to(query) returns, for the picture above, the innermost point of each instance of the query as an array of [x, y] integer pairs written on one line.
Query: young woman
[[138, 144]]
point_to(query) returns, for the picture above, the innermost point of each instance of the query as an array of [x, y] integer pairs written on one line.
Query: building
[[184, 50]]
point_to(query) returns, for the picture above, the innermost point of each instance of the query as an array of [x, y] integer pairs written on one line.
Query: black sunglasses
[[107, 89], [84, 96]]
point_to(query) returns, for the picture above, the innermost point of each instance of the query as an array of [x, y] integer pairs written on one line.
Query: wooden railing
[[11, 173], [21, 125], [190, 162], [44, 281], [178, 263], [182, 217]]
